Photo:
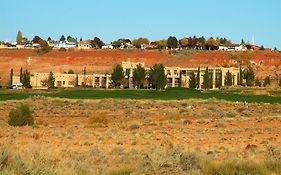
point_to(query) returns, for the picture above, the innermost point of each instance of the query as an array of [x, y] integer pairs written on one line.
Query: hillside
[[101, 61]]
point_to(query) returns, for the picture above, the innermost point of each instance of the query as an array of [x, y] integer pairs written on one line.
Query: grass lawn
[[169, 94]]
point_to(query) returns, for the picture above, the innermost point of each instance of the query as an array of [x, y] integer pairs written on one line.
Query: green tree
[[118, 76], [243, 42], [240, 78], [51, 81], [11, 76], [19, 37], [172, 42], [228, 79], [140, 41], [21, 74], [157, 77], [62, 38], [97, 43], [198, 78], [219, 80], [211, 44], [262, 47], [257, 82], [192, 81], [266, 81], [139, 78], [249, 75], [116, 44], [26, 79], [161, 44], [76, 81], [84, 75], [207, 79]]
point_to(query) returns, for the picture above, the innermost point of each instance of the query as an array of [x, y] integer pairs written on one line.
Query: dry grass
[[98, 137]]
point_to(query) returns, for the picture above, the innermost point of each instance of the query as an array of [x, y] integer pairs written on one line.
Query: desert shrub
[[235, 168], [3, 157], [134, 127], [62, 49], [98, 120], [122, 171], [273, 159], [189, 162], [21, 116], [43, 50]]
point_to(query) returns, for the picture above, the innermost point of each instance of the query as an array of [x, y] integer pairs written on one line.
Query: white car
[[17, 85]]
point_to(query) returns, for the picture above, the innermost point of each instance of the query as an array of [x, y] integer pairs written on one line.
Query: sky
[[154, 19]]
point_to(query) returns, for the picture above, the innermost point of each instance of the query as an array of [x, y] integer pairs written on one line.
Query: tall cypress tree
[[219, 80], [51, 81], [26, 79], [198, 78], [19, 37], [228, 79], [21, 74], [249, 75], [240, 77], [76, 81], [207, 79], [192, 81], [11, 76]]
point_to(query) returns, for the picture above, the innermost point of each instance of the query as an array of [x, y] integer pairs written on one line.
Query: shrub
[[43, 50], [3, 157], [189, 162], [98, 120], [21, 116], [121, 171], [273, 159], [62, 49], [235, 168]]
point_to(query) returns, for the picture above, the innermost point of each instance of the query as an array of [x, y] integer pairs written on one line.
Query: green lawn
[[169, 94]]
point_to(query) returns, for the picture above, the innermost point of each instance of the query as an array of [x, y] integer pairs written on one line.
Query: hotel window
[[71, 83], [58, 83], [63, 82], [168, 72]]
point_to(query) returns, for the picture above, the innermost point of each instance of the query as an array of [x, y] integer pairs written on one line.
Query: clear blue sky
[[154, 19]]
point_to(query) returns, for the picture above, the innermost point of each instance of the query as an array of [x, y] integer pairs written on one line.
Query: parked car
[[16, 85]]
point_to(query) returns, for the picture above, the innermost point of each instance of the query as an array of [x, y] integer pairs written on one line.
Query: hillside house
[[109, 46], [64, 44], [51, 43], [84, 44], [233, 47]]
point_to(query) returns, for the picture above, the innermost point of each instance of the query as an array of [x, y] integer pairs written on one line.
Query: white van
[[17, 85]]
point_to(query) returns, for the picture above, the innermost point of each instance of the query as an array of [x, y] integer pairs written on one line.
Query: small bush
[[98, 120], [235, 168], [3, 157], [121, 171], [44, 50], [189, 162], [62, 49], [273, 159], [21, 116]]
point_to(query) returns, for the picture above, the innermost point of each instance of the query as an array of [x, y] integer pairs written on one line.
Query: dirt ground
[[137, 129]]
